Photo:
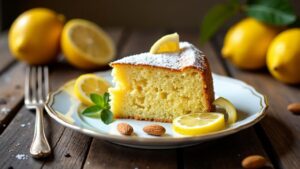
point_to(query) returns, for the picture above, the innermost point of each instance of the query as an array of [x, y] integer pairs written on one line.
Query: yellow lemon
[[168, 43], [34, 36], [229, 107], [85, 45], [87, 84], [199, 123], [283, 58], [246, 43]]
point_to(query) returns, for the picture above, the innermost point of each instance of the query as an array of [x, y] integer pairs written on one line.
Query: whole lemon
[[283, 58], [34, 36], [246, 43]]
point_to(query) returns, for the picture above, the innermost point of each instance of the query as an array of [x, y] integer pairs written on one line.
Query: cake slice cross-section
[[161, 87]]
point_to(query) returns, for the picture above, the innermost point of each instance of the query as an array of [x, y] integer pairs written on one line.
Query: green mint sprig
[[101, 109]]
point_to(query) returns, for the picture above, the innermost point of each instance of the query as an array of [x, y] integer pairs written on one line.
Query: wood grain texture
[[5, 55], [280, 126], [16, 139], [69, 147], [226, 152], [11, 93], [107, 155]]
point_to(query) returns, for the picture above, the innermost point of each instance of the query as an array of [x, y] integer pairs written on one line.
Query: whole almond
[[294, 107], [154, 129], [254, 161], [125, 129]]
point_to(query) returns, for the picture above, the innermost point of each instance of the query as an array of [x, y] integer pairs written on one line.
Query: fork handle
[[39, 146]]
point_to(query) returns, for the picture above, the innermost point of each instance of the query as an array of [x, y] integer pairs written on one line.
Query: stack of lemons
[[36, 36], [251, 44]]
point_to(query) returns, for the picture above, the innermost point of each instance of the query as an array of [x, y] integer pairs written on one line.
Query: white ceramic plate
[[62, 106]]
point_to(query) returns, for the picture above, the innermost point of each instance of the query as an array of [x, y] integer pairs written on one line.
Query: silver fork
[[36, 91]]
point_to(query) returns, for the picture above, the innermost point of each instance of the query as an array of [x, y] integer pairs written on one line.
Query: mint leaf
[[107, 116], [97, 99], [106, 100], [275, 12], [92, 111], [215, 18], [106, 97], [101, 109]]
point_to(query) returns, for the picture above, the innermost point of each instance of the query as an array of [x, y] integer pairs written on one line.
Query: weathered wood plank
[[16, 139], [280, 126], [6, 57], [107, 155], [69, 147], [226, 152], [11, 93]]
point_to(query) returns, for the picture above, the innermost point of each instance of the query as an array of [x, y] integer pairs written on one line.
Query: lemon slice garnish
[[199, 123], [229, 107], [86, 45], [168, 43], [88, 84]]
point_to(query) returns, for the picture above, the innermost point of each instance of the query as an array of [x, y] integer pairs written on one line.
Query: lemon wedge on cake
[[168, 43], [87, 84], [85, 45]]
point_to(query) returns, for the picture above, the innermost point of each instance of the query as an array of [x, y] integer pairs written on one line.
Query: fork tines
[[36, 84]]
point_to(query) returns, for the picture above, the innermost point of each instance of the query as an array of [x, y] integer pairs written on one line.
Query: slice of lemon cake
[[161, 87]]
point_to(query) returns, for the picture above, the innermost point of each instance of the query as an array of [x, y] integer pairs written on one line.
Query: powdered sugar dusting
[[188, 56]]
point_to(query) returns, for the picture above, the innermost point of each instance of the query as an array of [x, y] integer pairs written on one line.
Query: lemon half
[[199, 123], [88, 84], [168, 43], [85, 45]]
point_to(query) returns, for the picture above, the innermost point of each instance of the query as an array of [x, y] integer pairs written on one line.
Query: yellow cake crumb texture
[[155, 93]]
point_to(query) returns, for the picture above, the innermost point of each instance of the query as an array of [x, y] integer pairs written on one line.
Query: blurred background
[[114, 13]]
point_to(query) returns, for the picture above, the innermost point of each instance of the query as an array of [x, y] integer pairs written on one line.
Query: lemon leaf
[[215, 18], [275, 12]]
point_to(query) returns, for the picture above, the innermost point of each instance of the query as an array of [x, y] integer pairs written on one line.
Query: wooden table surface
[[277, 136]]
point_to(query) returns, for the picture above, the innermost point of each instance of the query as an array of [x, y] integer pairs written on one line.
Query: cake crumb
[[25, 124], [21, 156], [4, 110]]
